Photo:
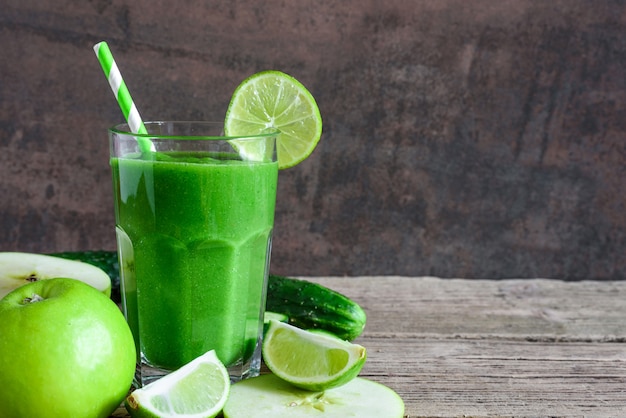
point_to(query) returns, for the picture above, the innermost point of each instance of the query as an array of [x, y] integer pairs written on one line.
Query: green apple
[[18, 269], [65, 351], [268, 396]]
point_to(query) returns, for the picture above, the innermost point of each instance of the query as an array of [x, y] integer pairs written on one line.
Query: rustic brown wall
[[471, 138]]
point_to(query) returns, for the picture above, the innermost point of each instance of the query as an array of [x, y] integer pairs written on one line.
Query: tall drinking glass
[[194, 220]]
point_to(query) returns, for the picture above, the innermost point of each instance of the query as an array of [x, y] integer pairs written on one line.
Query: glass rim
[[124, 129]]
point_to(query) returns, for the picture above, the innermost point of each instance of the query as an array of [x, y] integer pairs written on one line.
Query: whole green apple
[[65, 351]]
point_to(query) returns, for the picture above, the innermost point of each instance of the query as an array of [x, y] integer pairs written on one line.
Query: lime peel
[[199, 389], [272, 101], [311, 360]]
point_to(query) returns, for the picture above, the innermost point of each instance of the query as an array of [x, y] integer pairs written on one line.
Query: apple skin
[[70, 354]]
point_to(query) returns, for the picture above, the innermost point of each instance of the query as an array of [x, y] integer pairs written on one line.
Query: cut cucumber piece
[[268, 396], [274, 316]]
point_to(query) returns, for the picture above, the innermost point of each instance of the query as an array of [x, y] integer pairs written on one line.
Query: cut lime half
[[309, 360], [271, 101], [199, 389], [267, 396]]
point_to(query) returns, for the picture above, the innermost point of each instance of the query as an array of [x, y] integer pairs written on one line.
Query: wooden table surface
[[485, 348]]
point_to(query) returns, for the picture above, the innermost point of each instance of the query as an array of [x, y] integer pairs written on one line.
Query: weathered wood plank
[[495, 348], [460, 377], [456, 348], [520, 309]]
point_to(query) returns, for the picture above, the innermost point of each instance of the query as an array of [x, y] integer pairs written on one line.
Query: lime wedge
[[308, 360], [272, 101], [267, 396], [199, 389]]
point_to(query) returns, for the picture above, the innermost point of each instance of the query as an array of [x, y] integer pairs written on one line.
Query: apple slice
[[17, 269], [268, 396]]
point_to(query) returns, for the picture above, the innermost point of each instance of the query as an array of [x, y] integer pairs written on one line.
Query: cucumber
[[273, 316], [307, 305], [313, 306]]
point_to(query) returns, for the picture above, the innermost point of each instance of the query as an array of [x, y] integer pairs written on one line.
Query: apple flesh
[[18, 269], [270, 397], [65, 351]]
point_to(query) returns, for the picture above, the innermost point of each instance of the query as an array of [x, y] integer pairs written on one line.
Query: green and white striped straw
[[122, 94]]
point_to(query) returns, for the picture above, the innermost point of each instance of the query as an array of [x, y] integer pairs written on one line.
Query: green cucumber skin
[[313, 306], [307, 305]]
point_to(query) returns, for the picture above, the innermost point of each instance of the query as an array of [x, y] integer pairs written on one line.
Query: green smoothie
[[194, 237]]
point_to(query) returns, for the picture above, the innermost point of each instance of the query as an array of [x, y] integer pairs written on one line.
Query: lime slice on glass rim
[[272, 101], [268, 396], [199, 389], [309, 360]]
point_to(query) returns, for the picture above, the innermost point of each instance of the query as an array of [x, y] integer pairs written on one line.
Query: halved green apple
[[267, 396], [17, 269]]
